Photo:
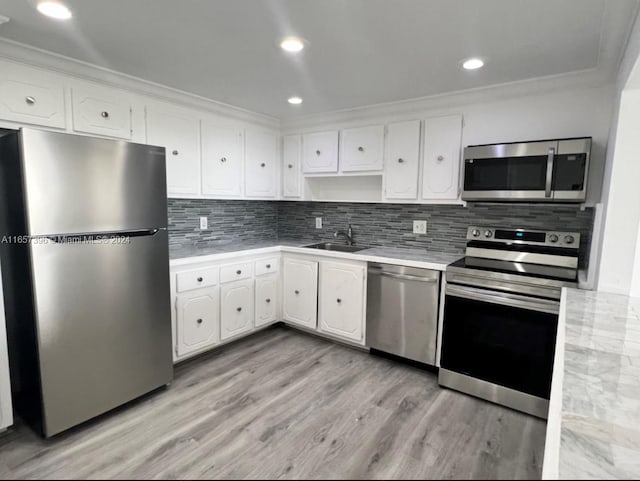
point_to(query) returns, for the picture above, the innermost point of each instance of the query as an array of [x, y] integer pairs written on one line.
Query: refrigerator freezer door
[[103, 324], [77, 184]]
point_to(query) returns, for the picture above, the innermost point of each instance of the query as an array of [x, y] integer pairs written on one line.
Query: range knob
[[488, 234], [568, 239], [553, 238], [475, 233]]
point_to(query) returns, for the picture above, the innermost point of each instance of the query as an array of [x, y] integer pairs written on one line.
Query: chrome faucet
[[348, 235]]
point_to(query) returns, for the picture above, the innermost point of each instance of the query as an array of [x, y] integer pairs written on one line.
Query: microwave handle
[[551, 154]]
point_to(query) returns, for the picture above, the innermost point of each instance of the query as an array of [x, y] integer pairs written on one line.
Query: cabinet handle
[[400, 160], [317, 152], [268, 266], [360, 149], [262, 164], [223, 159], [30, 100], [238, 309], [268, 301], [238, 272], [290, 166], [338, 300], [199, 321], [440, 158], [200, 279], [104, 114], [175, 152], [296, 292]]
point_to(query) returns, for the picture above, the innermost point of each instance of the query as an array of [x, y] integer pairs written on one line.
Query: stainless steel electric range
[[501, 314]]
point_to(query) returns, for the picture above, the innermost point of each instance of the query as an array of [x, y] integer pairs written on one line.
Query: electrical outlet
[[318, 222], [203, 223], [419, 226]]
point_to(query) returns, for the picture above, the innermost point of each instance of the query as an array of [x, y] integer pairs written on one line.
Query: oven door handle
[[504, 299]]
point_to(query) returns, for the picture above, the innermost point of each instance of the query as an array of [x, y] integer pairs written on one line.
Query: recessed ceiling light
[[472, 63], [295, 100], [55, 10], [292, 44]]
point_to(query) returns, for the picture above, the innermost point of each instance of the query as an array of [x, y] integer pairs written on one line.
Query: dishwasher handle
[[404, 277]]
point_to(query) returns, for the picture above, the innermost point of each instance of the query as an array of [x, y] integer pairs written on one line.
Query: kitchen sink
[[330, 246]]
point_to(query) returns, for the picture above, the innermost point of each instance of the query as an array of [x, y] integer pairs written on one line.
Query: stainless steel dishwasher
[[402, 311]]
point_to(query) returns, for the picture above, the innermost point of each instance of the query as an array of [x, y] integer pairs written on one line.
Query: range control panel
[[524, 236]]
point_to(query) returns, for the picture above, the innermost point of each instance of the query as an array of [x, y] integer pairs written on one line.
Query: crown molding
[[40, 58]]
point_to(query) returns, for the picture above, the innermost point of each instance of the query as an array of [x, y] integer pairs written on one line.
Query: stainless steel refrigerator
[[85, 266]]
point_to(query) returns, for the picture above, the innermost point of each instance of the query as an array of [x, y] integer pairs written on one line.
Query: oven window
[[509, 173], [503, 345], [568, 171]]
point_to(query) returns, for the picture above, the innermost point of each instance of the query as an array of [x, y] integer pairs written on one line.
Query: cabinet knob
[[338, 300], [296, 292], [268, 266], [200, 279], [360, 149], [199, 321], [290, 166], [30, 100], [104, 114], [317, 152], [238, 272], [223, 159], [400, 160], [262, 164], [175, 152], [440, 158], [238, 309], [268, 300]]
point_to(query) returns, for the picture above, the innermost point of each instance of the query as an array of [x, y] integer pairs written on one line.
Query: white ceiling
[[360, 52]]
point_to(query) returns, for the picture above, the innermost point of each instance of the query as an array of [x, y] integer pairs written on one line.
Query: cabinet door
[[260, 163], [341, 299], [31, 96], [320, 152], [300, 291], [197, 320], [236, 311], [266, 297], [179, 134], [101, 111], [291, 153], [402, 160], [222, 167], [442, 144], [362, 148]]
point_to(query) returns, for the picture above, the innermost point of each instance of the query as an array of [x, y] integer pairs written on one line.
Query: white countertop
[[593, 430], [421, 258]]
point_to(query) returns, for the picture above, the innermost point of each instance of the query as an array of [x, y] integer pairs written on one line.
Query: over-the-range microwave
[[540, 171]]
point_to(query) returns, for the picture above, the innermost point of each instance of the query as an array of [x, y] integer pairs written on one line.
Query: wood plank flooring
[[282, 404]]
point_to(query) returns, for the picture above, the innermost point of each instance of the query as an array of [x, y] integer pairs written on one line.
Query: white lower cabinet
[[341, 299], [236, 308], [300, 291], [197, 322], [266, 299]]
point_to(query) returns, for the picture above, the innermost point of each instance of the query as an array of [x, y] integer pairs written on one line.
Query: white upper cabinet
[[179, 134], [402, 160], [261, 167], [31, 96], [320, 152], [361, 149], [101, 111], [341, 299], [442, 148], [291, 156], [222, 160]]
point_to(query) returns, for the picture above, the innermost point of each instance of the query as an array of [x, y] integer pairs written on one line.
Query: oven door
[[501, 338]]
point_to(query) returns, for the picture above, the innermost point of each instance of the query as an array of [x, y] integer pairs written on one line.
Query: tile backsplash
[[373, 224]]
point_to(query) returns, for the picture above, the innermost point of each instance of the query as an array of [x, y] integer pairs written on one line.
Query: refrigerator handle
[[98, 237]]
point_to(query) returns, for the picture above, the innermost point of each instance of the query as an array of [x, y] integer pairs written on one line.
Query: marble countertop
[[594, 415], [396, 255]]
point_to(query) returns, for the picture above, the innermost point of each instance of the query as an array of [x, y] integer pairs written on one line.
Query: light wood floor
[[282, 404]]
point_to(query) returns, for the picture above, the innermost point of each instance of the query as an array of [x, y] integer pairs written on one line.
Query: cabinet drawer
[[267, 266], [235, 272], [196, 279], [98, 111]]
